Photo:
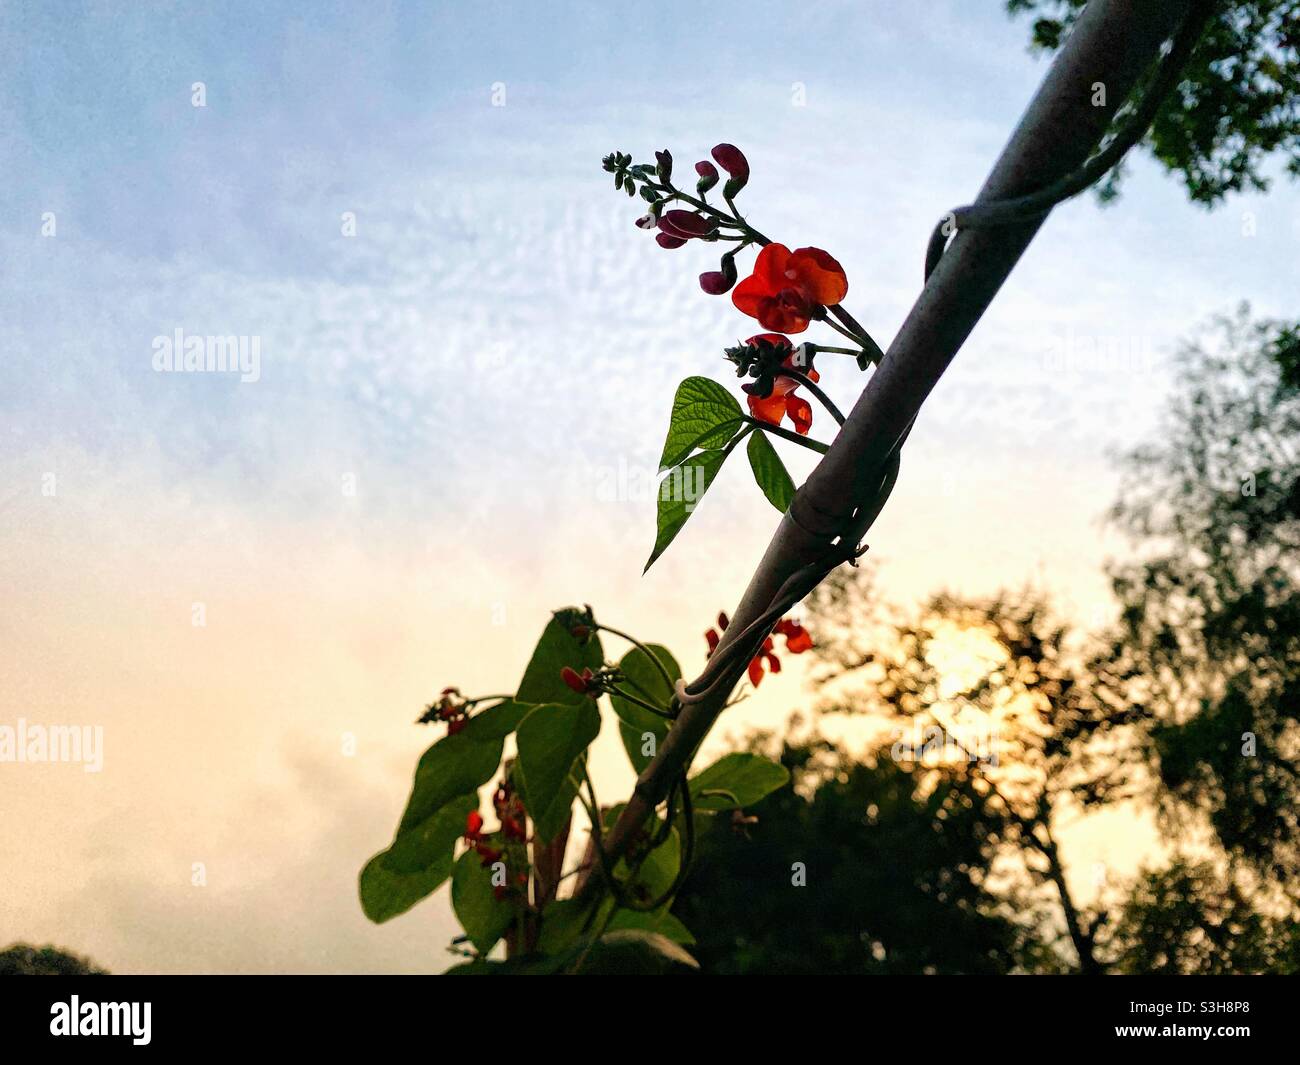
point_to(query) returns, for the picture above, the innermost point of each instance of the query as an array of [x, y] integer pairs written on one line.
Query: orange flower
[[786, 288], [782, 402], [797, 641]]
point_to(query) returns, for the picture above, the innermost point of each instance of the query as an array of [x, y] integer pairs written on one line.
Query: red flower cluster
[[783, 402], [797, 641], [475, 836], [450, 708], [510, 811], [788, 289]]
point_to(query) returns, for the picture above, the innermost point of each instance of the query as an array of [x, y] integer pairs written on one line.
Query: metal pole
[[1111, 45]]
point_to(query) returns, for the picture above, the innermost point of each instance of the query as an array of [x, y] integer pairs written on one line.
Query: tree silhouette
[[1236, 102], [1209, 644], [20, 959], [895, 876]]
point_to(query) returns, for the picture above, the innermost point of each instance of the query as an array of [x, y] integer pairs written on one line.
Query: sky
[[464, 342]]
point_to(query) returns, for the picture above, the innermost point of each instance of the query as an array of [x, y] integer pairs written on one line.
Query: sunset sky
[[421, 472]]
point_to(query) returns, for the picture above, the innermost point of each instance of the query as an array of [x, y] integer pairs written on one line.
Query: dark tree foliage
[[1237, 104], [1210, 634], [995, 693], [896, 877], [1187, 919], [23, 960]]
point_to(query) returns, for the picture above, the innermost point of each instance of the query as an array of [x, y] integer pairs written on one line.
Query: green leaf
[[454, 766], [555, 650], [386, 892], [680, 493], [635, 950], [527, 965], [496, 722], [658, 869], [550, 740], [746, 778], [770, 471], [484, 918], [661, 921], [705, 415], [643, 679], [565, 920]]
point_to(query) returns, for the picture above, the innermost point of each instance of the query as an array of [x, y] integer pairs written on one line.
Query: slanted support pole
[[1109, 48]]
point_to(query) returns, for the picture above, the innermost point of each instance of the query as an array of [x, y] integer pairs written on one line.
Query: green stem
[[864, 338], [809, 384], [638, 701], [663, 670], [785, 434]]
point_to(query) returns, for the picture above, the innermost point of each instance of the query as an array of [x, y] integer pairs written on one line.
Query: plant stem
[[638, 701], [785, 434], [663, 670], [808, 383]]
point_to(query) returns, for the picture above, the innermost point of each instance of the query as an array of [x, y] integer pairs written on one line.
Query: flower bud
[[664, 168], [733, 161], [573, 680], [685, 224], [717, 282], [708, 176], [665, 241], [647, 221]]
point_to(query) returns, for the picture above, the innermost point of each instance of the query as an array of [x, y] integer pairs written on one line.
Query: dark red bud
[[708, 176], [733, 161], [571, 678], [686, 224], [715, 283], [664, 160], [665, 241]]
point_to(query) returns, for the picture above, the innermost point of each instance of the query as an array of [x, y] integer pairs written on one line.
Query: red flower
[[712, 636], [579, 683], [797, 640], [767, 654], [783, 402], [474, 826], [787, 288]]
